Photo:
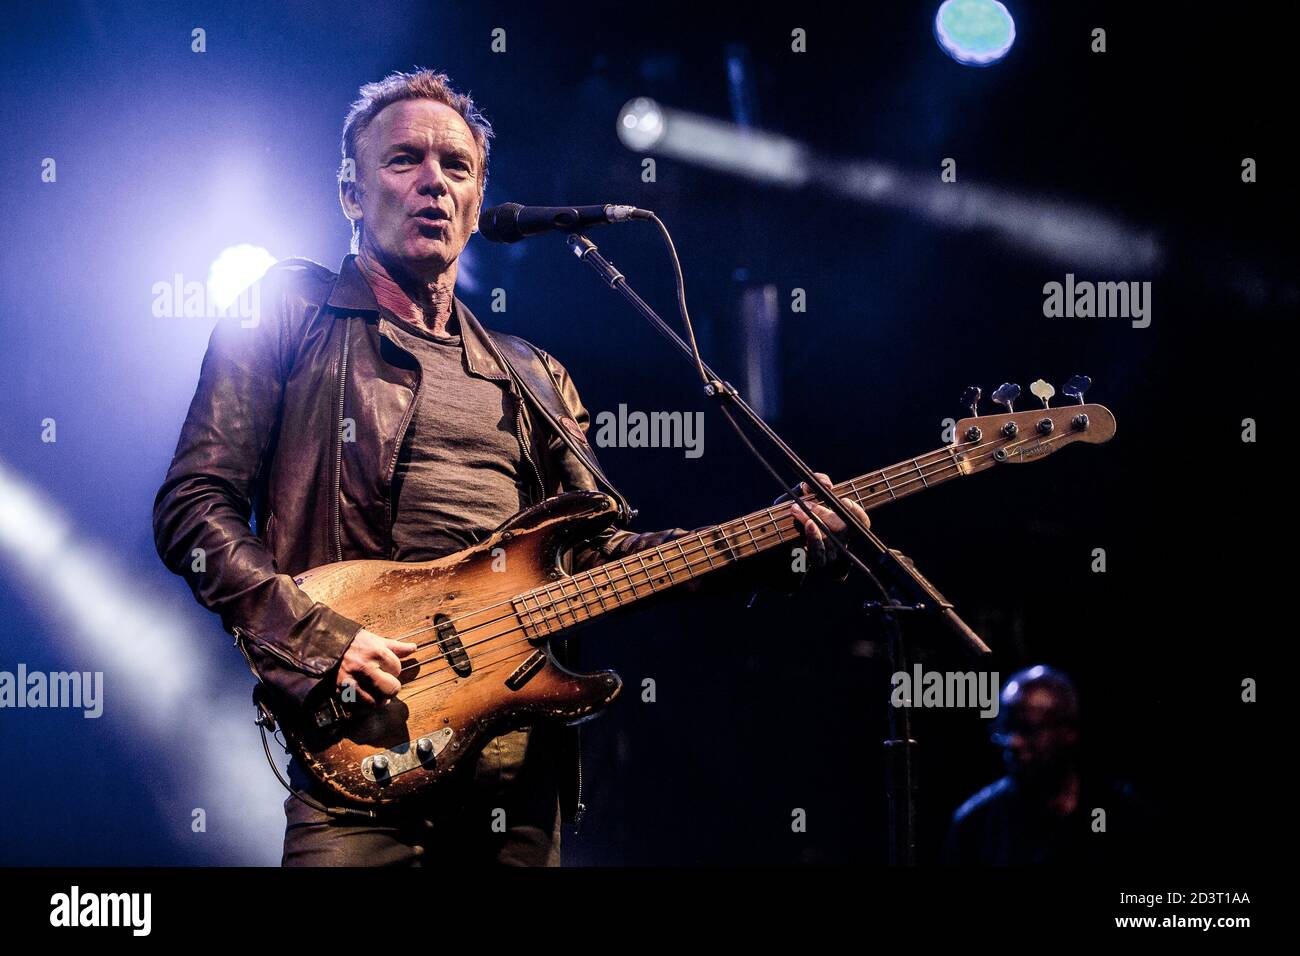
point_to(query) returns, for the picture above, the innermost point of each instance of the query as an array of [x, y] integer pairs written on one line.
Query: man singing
[[368, 415]]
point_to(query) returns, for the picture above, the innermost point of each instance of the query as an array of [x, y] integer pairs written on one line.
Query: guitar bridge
[[382, 767]]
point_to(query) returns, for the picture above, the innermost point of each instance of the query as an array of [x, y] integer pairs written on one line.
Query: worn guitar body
[[484, 672], [483, 618]]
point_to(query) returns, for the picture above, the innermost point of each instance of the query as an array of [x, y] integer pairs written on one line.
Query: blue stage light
[[974, 32]]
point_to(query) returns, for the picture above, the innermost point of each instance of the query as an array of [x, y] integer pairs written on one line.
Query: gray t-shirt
[[458, 474]]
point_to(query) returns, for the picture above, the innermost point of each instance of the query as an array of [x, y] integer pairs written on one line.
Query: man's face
[[1036, 741], [417, 190]]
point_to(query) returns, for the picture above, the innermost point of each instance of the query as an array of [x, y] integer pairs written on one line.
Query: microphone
[[510, 222]]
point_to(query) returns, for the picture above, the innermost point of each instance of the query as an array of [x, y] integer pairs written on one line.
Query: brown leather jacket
[[297, 421]]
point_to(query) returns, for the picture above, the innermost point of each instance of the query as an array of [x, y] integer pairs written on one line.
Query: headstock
[[1013, 437]]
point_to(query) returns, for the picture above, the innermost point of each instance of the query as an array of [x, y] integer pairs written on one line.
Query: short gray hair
[[421, 84]]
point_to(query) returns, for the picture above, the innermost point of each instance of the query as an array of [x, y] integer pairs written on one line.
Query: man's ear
[[348, 199], [477, 211]]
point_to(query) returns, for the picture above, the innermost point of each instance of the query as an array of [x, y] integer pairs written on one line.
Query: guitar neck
[[619, 583]]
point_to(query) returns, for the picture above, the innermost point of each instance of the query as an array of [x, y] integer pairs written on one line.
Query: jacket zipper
[[338, 458], [243, 637], [581, 807], [523, 445]]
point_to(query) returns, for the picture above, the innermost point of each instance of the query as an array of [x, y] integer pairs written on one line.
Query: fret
[[663, 561], [571, 582], [582, 603], [924, 483], [596, 590], [649, 578], [548, 609], [776, 526], [858, 496], [559, 612], [884, 476], [690, 571], [522, 609], [630, 576], [727, 541], [749, 531], [758, 547], [613, 588]]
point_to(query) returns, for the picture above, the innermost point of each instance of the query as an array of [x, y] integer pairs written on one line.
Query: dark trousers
[[501, 809]]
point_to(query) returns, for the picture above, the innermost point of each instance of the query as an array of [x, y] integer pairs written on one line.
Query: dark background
[[166, 156]]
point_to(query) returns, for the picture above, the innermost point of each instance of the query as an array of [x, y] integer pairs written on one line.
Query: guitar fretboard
[[572, 600]]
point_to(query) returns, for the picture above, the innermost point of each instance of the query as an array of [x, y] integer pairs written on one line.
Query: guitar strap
[[551, 403]]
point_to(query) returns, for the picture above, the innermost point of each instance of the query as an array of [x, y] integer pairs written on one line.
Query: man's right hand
[[372, 663]]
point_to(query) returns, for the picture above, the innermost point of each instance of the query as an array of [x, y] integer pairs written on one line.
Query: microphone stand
[[904, 579]]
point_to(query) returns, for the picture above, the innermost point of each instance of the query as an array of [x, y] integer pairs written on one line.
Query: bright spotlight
[[234, 270], [640, 124], [645, 126], [974, 32]]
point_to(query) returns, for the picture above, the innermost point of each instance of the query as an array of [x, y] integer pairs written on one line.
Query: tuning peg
[[1076, 386], [1006, 394], [1044, 391], [971, 399]]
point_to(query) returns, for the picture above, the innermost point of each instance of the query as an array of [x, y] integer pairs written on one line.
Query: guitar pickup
[[452, 647]]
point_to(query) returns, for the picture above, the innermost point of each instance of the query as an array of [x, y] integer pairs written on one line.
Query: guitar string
[[592, 588], [483, 666], [589, 589], [585, 593]]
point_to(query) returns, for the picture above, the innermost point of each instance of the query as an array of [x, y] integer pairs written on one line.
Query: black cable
[[308, 800]]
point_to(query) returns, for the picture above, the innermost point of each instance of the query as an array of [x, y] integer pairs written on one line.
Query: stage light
[[198, 733], [645, 126], [234, 270], [974, 32], [640, 124], [1042, 225]]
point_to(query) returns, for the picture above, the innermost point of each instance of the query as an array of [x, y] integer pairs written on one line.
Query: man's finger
[[385, 684], [388, 662], [815, 541]]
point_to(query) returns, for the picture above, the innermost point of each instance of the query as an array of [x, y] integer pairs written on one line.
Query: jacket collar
[[352, 293]]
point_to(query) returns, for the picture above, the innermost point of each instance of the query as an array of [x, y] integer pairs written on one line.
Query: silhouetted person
[[1045, 811]]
